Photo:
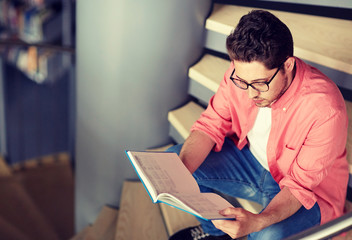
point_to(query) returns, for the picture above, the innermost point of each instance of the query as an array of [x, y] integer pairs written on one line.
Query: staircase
[[307, 30], [137, 217]]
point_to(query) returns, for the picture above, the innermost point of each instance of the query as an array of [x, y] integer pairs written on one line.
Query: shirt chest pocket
[[286, 158]]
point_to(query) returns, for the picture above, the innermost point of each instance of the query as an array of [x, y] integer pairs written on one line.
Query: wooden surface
[[49, 183], [82, 234], [183, 118], [5, 170], [209, 71], [37, 198], [60, 157], [19, 210], [104, 227], [138, 217], [161, 149], [326, 41], [10, 232], [176, 220]]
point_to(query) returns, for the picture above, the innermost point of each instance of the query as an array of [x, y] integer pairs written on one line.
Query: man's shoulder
[[319, 102], [323, 101], [319, 91]]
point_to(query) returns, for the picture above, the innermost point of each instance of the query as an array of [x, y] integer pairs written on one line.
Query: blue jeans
[[238, 173]]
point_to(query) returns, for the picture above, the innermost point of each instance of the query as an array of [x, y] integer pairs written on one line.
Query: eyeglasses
[[259, 86]]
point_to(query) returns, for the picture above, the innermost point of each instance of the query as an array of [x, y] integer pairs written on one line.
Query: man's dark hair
[[260, 36]]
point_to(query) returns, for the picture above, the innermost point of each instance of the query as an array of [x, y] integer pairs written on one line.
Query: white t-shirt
[[258, 136]]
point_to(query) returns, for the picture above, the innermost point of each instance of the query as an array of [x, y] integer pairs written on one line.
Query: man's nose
[[252, 93]]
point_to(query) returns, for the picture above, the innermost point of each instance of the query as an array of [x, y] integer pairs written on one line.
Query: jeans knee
[[270, 233], [300, 221], [175, 149]]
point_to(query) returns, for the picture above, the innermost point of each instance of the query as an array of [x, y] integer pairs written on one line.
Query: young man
[[275, 133]]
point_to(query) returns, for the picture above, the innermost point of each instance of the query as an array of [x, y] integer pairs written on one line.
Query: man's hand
[[245, 223]]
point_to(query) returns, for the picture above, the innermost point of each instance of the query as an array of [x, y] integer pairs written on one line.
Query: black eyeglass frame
[[251, 84]]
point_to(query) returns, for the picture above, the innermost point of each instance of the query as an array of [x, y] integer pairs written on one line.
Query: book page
[[205, 205], [165, 172]]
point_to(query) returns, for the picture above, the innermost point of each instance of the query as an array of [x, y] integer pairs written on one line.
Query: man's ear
[[290, 64]]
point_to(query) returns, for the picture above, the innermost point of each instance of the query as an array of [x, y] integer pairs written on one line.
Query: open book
[[167, 180]]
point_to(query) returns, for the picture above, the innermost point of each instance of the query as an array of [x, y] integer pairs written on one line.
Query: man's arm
[[195, 149], [282, 206]]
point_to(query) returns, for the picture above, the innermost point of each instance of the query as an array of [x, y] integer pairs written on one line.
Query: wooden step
[[205, 77], [48, 180], [209, 71], [5, 170], [321, 40], [183, 118], [82, 235], [139, 217], [161, 148], [104, 227], [176, 220], [10, 232], [18, 209]]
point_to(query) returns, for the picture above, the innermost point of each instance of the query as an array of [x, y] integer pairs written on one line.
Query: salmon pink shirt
[[306, 150]]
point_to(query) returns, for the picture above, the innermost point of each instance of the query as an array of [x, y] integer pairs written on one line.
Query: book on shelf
[[30, 21], [168, 181]]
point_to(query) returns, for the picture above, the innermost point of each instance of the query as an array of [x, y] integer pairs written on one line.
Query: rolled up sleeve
[[216, 120], [323, 148]]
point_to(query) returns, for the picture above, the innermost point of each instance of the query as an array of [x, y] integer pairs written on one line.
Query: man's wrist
[[264, 220]]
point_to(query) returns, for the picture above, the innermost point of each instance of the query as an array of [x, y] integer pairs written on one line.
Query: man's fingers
[[227, 226], [222, 223], [231, 211]]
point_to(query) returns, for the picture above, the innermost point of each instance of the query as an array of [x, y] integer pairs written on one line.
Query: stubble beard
[[268, 103]]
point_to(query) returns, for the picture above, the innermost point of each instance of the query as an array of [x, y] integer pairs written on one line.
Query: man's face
[[257, 72]]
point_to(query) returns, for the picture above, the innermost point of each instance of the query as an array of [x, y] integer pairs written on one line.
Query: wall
[[132, 62]]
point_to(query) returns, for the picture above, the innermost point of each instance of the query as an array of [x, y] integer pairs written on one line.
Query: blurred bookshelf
[[36, 77], [33, 37]]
